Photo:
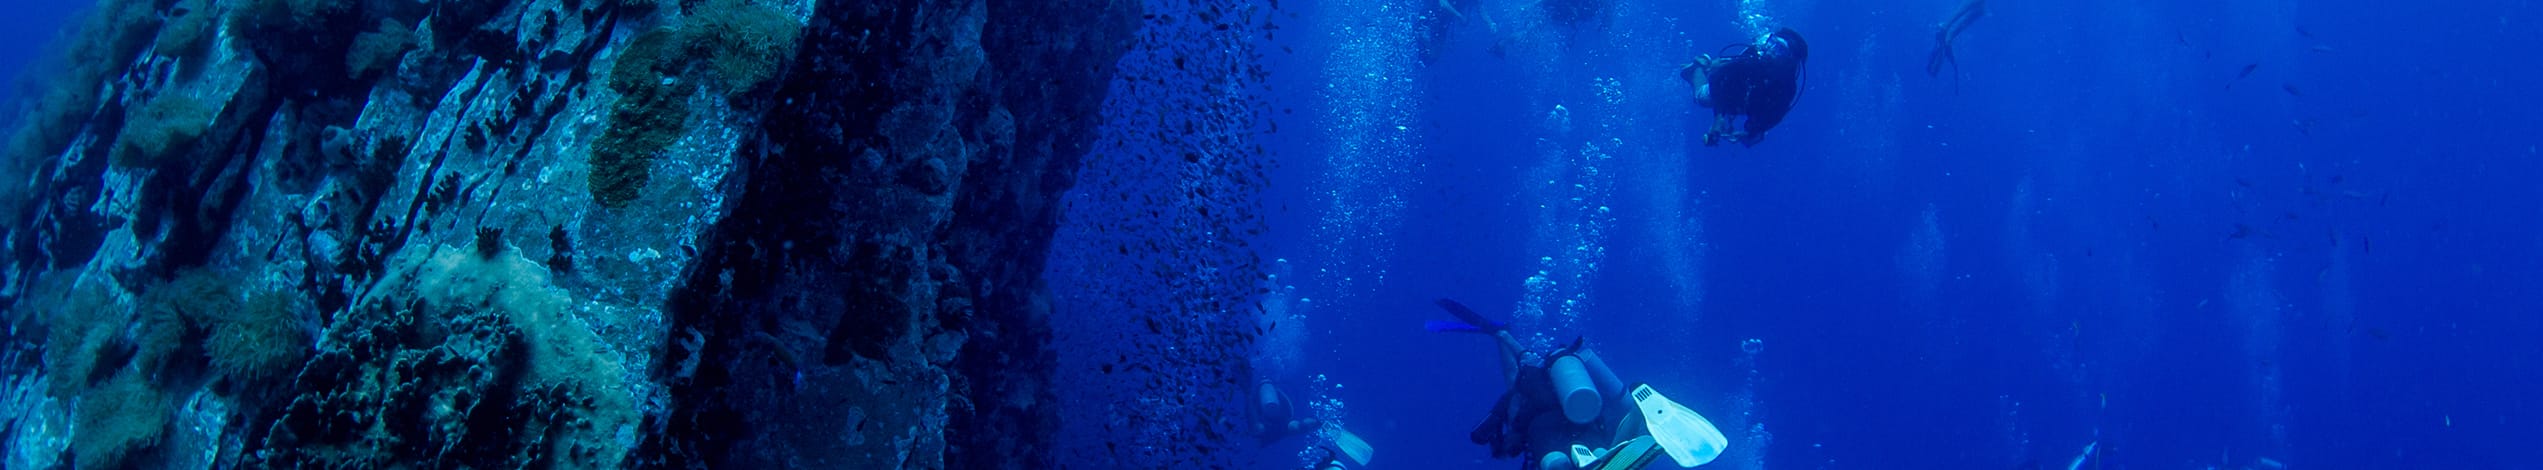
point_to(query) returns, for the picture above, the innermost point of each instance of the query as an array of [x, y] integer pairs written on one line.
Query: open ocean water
[[2187, 234]]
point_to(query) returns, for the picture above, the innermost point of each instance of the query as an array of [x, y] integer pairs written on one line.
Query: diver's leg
[[1697, 72], [1510, 354], [1632, 425]]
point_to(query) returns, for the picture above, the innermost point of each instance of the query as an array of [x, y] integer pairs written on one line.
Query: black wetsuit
[[1758, 85], [1275, 418], [1528, 420], [1761, 88]]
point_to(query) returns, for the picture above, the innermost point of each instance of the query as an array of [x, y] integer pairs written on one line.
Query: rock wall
[[888, 252], [544, 233], [1154, 269]]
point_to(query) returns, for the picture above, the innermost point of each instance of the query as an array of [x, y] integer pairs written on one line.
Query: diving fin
[[1583, 457], [1475, 322], [1941, 57], [1446, 326], [1686, 436], [1352, 447]]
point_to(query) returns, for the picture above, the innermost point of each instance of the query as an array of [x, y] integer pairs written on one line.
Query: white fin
[[1689, 439]]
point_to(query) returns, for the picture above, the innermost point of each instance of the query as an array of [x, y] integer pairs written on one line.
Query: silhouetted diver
[[1948, 32]]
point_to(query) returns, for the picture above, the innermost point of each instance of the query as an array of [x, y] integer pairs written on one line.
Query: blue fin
[[1445, 326], [1471, 321]]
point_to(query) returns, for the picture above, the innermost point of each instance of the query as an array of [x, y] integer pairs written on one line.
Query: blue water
[[2099, 233], [29, 26]]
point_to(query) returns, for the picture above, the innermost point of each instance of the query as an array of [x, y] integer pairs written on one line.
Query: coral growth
[[470, 361], [165, 126], [743, 46], [264, 338], [247, 336], [649, 116], [119, 417], [80, 319]]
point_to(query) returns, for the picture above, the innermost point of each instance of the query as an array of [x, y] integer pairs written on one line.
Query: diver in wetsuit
[[1757, 80], [1568, 411], [1275, 418], [1569, 399]]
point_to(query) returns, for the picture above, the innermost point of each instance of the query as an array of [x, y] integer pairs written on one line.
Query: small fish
[[2321, 49], [2239, 76], [2241, 231], [2366, 243], [2291, 89], [2240, 181]]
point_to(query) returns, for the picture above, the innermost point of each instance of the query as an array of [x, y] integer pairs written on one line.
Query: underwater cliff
[[545, 233]]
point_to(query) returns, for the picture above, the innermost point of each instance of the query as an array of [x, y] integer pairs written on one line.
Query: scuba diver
[[1275, 418], [1948, 33], [1758, 80], [1568, 410], [1353, 448]]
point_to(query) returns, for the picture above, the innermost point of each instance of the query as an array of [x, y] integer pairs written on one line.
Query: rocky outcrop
[[545, 233], [880, 278]]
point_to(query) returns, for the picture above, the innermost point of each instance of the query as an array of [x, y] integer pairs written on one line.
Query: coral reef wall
[[1155, 275], [544, 233], [887, 257]]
